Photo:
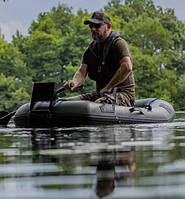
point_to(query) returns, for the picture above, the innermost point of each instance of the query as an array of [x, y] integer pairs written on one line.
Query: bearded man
[[107, 60]]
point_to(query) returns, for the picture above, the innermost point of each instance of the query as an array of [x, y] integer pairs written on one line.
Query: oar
[[3, 113], [6, 118], [60, 90]]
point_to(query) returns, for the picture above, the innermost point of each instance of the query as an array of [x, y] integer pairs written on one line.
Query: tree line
[[55, 43]]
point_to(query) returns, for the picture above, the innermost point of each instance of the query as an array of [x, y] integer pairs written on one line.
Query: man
[[107, 61]]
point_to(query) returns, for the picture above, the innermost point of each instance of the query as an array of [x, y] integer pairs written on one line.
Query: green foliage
[[11, 60], [147, 34], [12, 93], [57, 39], [42, 56], [179, 99]]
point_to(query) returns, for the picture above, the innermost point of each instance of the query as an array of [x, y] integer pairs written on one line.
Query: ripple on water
[[119, 161]]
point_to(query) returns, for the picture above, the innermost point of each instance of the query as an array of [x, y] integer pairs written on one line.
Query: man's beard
[[99, 38]]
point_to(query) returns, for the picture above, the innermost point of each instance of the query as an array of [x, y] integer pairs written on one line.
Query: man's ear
[[109, 25]]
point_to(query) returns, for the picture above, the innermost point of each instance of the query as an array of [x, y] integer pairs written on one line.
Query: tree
[[156, 38], [42, 56], [11, 61], [12, 93], [57, 39], [179, 98]]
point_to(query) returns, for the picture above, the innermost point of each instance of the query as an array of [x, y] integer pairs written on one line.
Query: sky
[[19, 14]]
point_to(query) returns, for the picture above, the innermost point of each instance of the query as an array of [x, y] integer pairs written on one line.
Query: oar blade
[[5, 119]]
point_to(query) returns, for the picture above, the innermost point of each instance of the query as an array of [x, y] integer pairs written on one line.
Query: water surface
[[113, 161]]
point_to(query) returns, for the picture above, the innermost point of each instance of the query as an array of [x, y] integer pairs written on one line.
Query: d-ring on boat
[[45, 110]]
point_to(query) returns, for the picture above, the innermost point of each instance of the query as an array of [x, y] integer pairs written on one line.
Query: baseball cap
[[98, 17]]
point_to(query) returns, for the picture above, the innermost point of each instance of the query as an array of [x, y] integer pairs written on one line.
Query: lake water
[[143, 161]]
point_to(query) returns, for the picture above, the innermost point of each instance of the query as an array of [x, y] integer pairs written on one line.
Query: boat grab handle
[[136, 110]]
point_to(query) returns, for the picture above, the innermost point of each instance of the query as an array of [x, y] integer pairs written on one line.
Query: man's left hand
[[104, 90]]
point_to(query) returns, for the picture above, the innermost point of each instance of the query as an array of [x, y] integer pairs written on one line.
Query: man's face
[[99, 31]]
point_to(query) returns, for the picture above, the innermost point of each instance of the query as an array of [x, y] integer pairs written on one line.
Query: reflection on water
[[117, 161]]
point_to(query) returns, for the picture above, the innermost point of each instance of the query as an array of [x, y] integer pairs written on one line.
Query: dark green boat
[[47, 111]]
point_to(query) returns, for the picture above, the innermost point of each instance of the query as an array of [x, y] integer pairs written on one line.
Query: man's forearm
[[121, 75], [78, 78], [80, 75]]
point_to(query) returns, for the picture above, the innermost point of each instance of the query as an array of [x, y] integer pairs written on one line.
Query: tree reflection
[[115, 164], [114, 172]]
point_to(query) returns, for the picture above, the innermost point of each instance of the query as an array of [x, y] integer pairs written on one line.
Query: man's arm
[[121, 74], [78, 78]]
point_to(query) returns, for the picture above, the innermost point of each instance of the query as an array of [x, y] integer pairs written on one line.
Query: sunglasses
[[96, 26]]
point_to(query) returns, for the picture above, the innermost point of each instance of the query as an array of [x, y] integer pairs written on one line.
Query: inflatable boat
[[44, 111]]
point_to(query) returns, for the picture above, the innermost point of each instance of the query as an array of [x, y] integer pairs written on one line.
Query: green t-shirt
[[101, 67]]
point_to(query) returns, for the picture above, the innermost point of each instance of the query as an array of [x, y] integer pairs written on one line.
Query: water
[[112, 161]]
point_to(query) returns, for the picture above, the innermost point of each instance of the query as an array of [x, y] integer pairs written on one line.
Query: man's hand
[[104, 90], [120, 76], [70, 85], [78, 78]]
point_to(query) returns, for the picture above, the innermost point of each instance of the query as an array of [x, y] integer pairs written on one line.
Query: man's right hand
[[70, 85], [78, 78]]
